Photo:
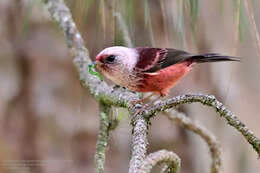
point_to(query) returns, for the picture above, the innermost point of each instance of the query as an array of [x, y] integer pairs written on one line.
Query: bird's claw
[[140, 101], [136, 104], [141, 109]]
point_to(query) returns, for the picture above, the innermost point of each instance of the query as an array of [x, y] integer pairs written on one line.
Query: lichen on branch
[[172, 161], [117, 96], [205, 134], [100, 90], [139, 143], [102, 141], [211, 101]]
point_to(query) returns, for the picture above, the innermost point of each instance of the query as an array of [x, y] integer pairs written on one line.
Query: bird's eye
[[110, 59]]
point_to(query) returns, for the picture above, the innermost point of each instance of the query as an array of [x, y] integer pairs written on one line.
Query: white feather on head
[[129, 56]]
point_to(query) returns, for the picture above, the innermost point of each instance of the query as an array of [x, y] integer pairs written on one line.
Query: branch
[[171, 159], [139, 123], [110, 95], [139, 143], [100, 90], [102, 141], [197, 128], [211, 101]]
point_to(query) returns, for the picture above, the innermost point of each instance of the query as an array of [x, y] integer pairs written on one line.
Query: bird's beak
[[97, 63]]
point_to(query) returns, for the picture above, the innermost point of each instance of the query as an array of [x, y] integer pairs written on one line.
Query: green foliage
[[93, 72], [129, 11], [84, 4], [194, 9], [119, 38], [118, 114], [87, 4], [241, 26], [180, 19], [238, 7]]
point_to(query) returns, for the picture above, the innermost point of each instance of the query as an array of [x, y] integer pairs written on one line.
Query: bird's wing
[[154, 59]]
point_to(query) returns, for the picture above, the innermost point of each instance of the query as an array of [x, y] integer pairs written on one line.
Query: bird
[[148, 69]]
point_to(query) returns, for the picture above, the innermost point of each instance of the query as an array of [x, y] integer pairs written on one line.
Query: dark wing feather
[[154, 59]]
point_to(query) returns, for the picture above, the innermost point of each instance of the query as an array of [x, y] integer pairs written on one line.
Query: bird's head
[[116, 62]]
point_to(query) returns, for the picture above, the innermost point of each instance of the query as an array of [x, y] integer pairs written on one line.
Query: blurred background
[[49, 122]]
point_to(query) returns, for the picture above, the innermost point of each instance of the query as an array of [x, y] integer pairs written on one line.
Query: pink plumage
[[160, 82], [150, 69]]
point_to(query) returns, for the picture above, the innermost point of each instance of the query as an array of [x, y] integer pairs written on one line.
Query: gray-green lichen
[[172, 161], [110, 95], [102, 142], [211, 101], [100, 90], [139, 143], [204, 133]]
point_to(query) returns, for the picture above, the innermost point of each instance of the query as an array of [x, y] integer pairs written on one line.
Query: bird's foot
[[141, 105], [140, 110], [143, 100]]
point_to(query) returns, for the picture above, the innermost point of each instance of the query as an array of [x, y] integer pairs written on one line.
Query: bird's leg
[[148, 104], [154, 100], [141, 109], [163, 95], [164, 92], [143, 100]]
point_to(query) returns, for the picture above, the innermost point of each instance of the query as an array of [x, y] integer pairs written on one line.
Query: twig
[[102, 141], [123, 28], [100, 90], [209, 138], [123, 98], [250, 13], [171, 159], [211, 101], [139, 123], [139, 143]]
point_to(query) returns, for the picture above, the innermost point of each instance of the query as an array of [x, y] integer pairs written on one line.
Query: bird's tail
[[212, 57]]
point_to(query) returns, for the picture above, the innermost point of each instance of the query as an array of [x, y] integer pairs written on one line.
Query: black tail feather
[[212, 57]]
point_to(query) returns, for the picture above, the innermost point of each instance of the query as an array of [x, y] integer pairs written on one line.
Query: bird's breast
[[164, 79]]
